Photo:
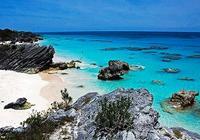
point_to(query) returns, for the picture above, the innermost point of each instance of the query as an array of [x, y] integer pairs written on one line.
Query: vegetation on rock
[[65, 96], [113, 117]]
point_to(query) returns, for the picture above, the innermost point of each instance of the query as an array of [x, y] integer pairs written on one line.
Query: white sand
[[74, 79], [15, 85], [39, 89]]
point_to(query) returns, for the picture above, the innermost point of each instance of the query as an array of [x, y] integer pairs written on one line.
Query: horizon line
[[78, 31]]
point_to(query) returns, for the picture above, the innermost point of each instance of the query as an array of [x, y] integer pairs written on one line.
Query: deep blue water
[[88, 47]]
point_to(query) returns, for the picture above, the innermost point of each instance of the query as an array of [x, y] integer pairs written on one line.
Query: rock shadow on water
[[171, 70], [168, 57], [103, 41], [194, 56], [151, 48], [157, 82], [150, 52], [186, 79], [112, 49]]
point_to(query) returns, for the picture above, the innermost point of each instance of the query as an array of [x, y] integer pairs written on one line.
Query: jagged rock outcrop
[[28, 58], [64, 65], [183, 99], [18, 36], [84, 111], [145, 123], [114, 71]]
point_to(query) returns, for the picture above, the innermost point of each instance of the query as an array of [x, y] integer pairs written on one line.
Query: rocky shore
[[19, 52], [81, 119], [18, 36], [138, 120]]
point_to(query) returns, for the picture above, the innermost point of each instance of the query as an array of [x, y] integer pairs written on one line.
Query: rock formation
[[28, 58], [15, 36], [84, 111], [183, 99], [171, 70], [157, 82], [145, 122], [114, 71], [16, 105]]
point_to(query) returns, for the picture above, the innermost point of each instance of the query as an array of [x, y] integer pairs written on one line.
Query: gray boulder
[[114, 71], [19, 103]]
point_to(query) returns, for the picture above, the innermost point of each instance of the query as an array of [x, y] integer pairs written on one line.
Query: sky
[[100, 15]]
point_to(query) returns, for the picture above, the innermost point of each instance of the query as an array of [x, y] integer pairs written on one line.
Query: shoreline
[[23, 85], [40, 89]]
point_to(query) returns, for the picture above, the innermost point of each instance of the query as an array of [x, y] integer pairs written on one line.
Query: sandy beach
[[16, 85], [39, 89]]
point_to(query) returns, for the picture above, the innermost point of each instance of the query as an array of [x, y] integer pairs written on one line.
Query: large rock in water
[[183, 99], [114, 71], [29, 57]]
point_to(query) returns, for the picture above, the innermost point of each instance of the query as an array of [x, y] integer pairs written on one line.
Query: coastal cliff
[[18, 52]]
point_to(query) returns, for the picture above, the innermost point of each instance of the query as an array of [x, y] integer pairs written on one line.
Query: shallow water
[[87, 46]]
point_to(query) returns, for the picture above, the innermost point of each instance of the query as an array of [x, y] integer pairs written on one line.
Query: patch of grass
[[113, 117], [25, 106], [177, 134]]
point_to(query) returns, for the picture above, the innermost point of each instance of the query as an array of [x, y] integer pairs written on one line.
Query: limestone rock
[[114, 71], [28, 58], [19, 103], [183, 99]]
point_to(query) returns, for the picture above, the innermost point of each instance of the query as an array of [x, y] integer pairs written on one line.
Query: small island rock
[[183, 99], [114, 71]]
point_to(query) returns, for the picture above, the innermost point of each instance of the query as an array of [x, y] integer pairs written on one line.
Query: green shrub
[[25, 106], [177, 134], [65, 96], [113, 117], [62, 105], [35, 120], [38, 126]]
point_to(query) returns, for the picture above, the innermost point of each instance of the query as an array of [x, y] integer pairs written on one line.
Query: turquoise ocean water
[[87, 47]]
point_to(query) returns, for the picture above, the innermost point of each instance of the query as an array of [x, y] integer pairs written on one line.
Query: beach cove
[[96, 48], [77, 72], [41, 90]]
